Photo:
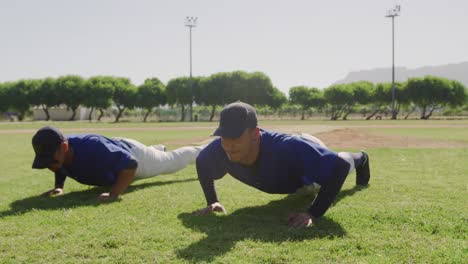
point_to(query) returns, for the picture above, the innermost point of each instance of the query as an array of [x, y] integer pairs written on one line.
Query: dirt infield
[[335, 137], [355, 138]]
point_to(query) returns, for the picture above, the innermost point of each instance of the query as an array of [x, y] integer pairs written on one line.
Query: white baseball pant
[[153, 161]]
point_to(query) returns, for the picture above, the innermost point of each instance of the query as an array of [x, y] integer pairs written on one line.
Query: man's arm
[[59, 179], [208, 187], [211, 198], [207, 184], [324, 198], [124, 178], [126, 167]]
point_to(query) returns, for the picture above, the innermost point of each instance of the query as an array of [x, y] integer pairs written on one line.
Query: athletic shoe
[[363, 171]]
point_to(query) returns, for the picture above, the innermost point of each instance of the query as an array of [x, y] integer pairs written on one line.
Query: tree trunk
[[303, 111], [46, 111], [119, 114], [423, 114], [90, 116], [182, 118], [101, 114], [21, 115], [213, 110], [74, 113], [146, 115], [335, 114], [347, 111], [410, 112], [345, 116], [373, 114], [430, 113]]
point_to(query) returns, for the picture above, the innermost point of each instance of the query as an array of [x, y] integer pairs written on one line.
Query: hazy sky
[[309, 42]]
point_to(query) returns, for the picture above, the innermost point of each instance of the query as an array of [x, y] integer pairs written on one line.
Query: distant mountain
[[456, 71]]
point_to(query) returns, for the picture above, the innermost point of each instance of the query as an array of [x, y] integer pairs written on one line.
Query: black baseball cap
[[235, 118], [46, 142]]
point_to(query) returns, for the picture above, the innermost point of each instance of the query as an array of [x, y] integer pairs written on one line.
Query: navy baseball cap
[[46, 142], [235, 118]]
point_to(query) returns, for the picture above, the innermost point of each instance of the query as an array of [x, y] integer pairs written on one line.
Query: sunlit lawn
[[414, 211]]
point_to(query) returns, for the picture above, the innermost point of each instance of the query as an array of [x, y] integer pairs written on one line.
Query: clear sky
[[307, 42]]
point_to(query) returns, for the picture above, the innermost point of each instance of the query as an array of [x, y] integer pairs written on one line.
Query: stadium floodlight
[[191, 22], [394, 12]]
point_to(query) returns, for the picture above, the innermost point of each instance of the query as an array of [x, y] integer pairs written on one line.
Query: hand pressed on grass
[[214, 207], [299, 220], [53, 192]]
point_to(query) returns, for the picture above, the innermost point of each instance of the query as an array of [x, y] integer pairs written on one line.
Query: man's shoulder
[[85, 137], [212, 150], [277, 139], [91, 142]]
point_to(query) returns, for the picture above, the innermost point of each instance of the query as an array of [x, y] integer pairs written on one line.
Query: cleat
[[363, 171]]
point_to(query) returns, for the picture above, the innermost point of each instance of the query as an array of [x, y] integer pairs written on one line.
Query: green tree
[[19, 96], [458, 94], [380, 96], [338, 97], [361, 92], [306, 98], [179, 93], [150, 95], [254, 88], [4, 102], [99, 91], [429, 93], [276, 99], [71, 90], [215, 90], [124, 95], [44, 95]]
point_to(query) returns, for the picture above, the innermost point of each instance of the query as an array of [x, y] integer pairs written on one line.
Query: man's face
[[238, 149], [59, 158]]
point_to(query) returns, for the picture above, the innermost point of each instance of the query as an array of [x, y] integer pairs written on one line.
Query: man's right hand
[[53, 192], [214, 207]]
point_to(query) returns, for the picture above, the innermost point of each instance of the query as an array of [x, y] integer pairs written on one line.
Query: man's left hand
[[299, 220], [106, 197]]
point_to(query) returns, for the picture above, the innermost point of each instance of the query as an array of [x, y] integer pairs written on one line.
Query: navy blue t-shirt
[[96, 160], [285, 164]]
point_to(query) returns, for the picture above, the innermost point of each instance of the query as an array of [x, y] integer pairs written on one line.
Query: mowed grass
[[414, 211]]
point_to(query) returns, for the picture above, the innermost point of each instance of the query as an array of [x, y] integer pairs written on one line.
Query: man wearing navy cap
[[100, 161], [274, 163]]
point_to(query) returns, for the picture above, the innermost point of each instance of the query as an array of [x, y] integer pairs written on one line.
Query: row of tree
[[426, 94], [338, 101], [101, 92]]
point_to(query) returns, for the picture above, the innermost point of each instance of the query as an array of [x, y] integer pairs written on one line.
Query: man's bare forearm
[[124, 179]]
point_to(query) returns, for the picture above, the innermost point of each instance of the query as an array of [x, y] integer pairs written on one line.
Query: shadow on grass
[[266, 223], [350, 192], [73, 199]]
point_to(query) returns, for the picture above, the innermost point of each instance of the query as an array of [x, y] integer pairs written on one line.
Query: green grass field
[[414, 211]]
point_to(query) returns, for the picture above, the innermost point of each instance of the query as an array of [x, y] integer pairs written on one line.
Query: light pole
[[393, 13], [191, 22]]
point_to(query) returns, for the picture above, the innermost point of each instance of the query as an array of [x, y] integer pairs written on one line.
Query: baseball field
[[414, 211]]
